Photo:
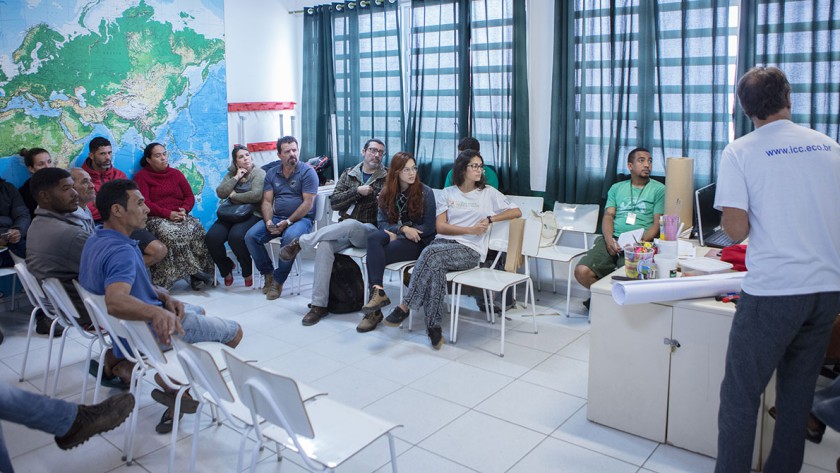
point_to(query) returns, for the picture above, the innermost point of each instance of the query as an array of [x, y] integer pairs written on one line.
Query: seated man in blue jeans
[[72, 424], [113, 265], [288, 210]]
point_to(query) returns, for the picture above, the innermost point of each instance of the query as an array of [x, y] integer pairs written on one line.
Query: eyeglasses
[[475, 166], [376, 151], [408, 170]]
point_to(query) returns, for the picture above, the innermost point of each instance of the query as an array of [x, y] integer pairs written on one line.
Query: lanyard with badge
[[631, 216]]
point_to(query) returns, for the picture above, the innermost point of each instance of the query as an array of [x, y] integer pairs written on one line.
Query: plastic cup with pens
[[638, 259]]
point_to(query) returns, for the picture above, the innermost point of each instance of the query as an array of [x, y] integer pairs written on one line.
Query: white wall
[[263, 44]]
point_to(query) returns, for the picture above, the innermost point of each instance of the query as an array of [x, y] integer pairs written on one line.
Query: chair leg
[[128, 454], [28, 342], [194, 446], [569, 289], [175, 422], [553, 279], [99, 372], [60, 360], [529, 287], [85, 373], [393, 450], [504, 315], [241, 454], [49, 356]]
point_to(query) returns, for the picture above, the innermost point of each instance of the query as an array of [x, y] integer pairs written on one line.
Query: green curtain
[[318, 84], [439, 85], [803, 39], [517, 175], [636, 73], [368, 77]]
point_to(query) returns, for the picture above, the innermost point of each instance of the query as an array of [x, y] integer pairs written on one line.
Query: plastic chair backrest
[[576, 217], [61, 301], [202, 371], [143, 338], [274, 397], [32, 288], [527, 203], [531, 238], [97, 309]]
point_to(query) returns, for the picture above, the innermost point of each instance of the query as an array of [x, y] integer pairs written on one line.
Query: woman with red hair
[[406, 226]]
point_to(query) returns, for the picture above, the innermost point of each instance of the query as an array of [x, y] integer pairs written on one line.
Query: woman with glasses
[[406, 226], [465, 212]]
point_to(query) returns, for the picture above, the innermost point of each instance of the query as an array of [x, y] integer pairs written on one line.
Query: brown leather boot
[[315, 314]]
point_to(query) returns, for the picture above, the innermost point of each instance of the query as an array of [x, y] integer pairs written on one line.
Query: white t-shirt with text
[[466, 210], [787, 178]]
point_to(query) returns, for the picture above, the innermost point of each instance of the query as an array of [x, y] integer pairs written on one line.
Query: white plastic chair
[[210, 387], [65, 309], [120, 336], [39, 302], [580, 219], [10, 272], [493, 280], [324, 433]]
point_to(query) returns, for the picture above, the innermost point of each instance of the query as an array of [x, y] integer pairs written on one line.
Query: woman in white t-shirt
[[465, 212]]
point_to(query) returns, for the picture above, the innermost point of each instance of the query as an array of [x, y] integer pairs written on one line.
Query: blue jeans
[[788, 334], [827, 404], [198, 327], [35, 411], [258, 236]]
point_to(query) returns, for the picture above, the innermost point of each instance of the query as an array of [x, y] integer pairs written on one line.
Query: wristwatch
[[489, 219]]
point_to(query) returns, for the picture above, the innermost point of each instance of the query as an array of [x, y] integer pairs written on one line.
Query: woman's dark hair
[[29, 155], [113, 192], [763, 91], [236, 149], [459, 171], [468, 142], [388, 195], [147, 153]]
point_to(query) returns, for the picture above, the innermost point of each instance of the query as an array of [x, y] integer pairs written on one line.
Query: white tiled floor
[[464, 409]]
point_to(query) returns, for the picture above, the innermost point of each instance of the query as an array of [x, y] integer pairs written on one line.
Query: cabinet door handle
[[672, 342]]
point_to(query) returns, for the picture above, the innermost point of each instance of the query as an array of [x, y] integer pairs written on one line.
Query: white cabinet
[[655, 369]]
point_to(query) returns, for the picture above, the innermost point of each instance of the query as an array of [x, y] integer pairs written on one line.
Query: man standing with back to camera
[[779, 185]]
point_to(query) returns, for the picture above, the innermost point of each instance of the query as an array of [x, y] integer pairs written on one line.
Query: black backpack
[[347, 290]]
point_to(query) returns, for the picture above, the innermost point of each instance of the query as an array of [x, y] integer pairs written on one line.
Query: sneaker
[[267, 280], [42, 324], [288, 252], [436, 337], [396, 317], [92, 420], [274, 290], [315, 314], [378, 300], [369, 322], [197, 283]]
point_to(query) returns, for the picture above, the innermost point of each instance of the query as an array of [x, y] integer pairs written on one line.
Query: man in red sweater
[[99, 164]]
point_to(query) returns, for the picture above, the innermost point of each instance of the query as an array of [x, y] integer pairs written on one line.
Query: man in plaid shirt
[[355, 199]]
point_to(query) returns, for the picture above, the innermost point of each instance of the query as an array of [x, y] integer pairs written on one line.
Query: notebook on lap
[[709, 231]]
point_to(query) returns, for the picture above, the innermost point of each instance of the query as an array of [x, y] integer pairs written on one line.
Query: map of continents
[[134, 72]]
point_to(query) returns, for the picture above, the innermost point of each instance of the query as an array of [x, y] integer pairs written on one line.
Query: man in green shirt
[[489, 174], [631, 205]]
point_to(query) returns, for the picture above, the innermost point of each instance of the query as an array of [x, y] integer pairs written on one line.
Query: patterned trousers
[[428, 281]]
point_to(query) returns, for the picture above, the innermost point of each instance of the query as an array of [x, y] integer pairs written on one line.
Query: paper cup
[[665, 265], [632, 258], [667, 248]]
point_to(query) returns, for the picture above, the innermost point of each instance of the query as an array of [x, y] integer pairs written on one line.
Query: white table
[[655, 370]]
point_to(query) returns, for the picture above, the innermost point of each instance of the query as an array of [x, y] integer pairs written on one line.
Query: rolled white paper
[[661, 290]]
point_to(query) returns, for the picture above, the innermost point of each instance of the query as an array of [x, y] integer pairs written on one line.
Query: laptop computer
[[709, 231]]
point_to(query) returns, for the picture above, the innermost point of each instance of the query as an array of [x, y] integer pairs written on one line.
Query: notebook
[[709, 231]]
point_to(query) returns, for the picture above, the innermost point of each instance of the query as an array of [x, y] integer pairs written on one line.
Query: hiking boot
[[288, 252], [436, 337], [42, 324], [92, 420], [315, 314], [378, 300], [369, 322], [396, 317], [267, 280], [274, 290]]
